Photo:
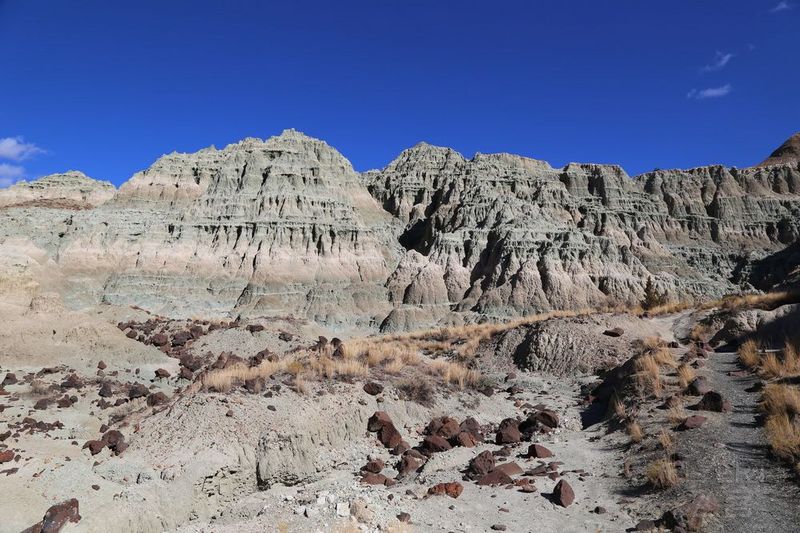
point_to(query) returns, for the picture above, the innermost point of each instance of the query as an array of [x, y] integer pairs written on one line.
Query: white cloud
[[16, 149], [720, 60], [711, 92], [783, 5], [10, 174]]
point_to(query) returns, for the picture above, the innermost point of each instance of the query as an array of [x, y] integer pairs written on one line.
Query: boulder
[[563, 494], [614, 332], [137, 390], [159, 339], [162, 373], [58, 515], [387, 434], [434, 444], [444, 427], [105, 390], [713, 401], [465, 439], [480, 465], [375, 466], [693, 422], [699, 386], [495, 477], [538, 451], [453, 489], [508, 432]]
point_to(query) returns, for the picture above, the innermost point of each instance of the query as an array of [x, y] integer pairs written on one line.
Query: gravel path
[[729, 460]]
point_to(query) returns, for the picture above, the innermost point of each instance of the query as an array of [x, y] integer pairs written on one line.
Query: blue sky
[[107, 87]]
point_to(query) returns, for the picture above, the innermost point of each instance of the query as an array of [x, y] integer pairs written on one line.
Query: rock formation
[[287, 227]]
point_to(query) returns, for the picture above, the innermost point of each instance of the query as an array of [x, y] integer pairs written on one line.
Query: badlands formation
[[260, 338]]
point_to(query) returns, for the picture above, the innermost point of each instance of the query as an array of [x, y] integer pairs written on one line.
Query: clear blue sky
[[108, 86]]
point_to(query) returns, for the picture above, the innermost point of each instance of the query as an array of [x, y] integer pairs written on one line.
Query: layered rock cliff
[[286, 226]]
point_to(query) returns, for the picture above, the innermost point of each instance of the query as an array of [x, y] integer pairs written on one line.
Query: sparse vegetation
[[653, 298], [662, 474], [748, 354], [417, 389], [781, 403], [648, 377], [635, 431], [666, 439], [686, 375]]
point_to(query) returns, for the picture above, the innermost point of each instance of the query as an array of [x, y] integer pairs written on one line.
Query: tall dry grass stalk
[[662, 474], [686, 375], [648, 377], [748, 354], [635, 431]]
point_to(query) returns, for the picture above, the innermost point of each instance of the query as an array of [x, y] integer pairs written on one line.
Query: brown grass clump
[[676, 414], [748, 354], [666, 439], [766, 301], [662, 474], [775, 366], [781, 403], [699, 332], [665, 357], [686, 375], [648, 378], [455, 373], [222, 380], [651, 343], [417, 389], [780, 399], [301, 386], [635, 431], [618, 408]]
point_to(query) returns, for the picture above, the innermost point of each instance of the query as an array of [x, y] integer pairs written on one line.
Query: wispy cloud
[[720, 60], [711, 92], [10, 174], [783, 5], [16, 149]]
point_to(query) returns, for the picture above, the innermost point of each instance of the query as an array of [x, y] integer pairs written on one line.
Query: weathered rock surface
[[286, 226]]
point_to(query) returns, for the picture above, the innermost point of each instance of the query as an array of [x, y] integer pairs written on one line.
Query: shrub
[[748, 354], [635, 431], [417, 389], [648, 378], [686, 375], [662, 474], [666, 439]]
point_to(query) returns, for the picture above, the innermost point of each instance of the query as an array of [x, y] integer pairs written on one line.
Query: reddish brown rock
[[435, 444], [10, 379], [157, 398], [159, 339], [444, 427], [387, 434], [375, 466], [72, 382], [408, 464], [181, 338], [465, 439], [563, 494], [370, 478], [185, 373], [137, 390], [101, 365], [131, 334], [693, 422], [94, 446], [105, 390], [162, 373], [699, 386], [510, 469], [508, 432], [42, 404], [480, 465], [57, 517], [6, 456], [547, 417], [713, 401], [538, 451], [495, 477], [453, 489], [471, 426], [614, 332]]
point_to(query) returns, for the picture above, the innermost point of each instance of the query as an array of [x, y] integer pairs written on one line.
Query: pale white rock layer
[[286, 226]]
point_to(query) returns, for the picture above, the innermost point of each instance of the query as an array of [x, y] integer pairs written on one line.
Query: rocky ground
[[131, 430]]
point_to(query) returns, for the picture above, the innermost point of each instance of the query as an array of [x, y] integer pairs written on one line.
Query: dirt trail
[[729, 458]]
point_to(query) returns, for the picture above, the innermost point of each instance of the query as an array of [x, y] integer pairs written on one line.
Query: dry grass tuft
[[780, 399], [748, 354], [676, 414], [635, 431], [686, 375], [783, 434], [662, 474], [664, 357], [666, 439], [455, 373], [223, 380], [699, 332], [648, 377], [417, 389]]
